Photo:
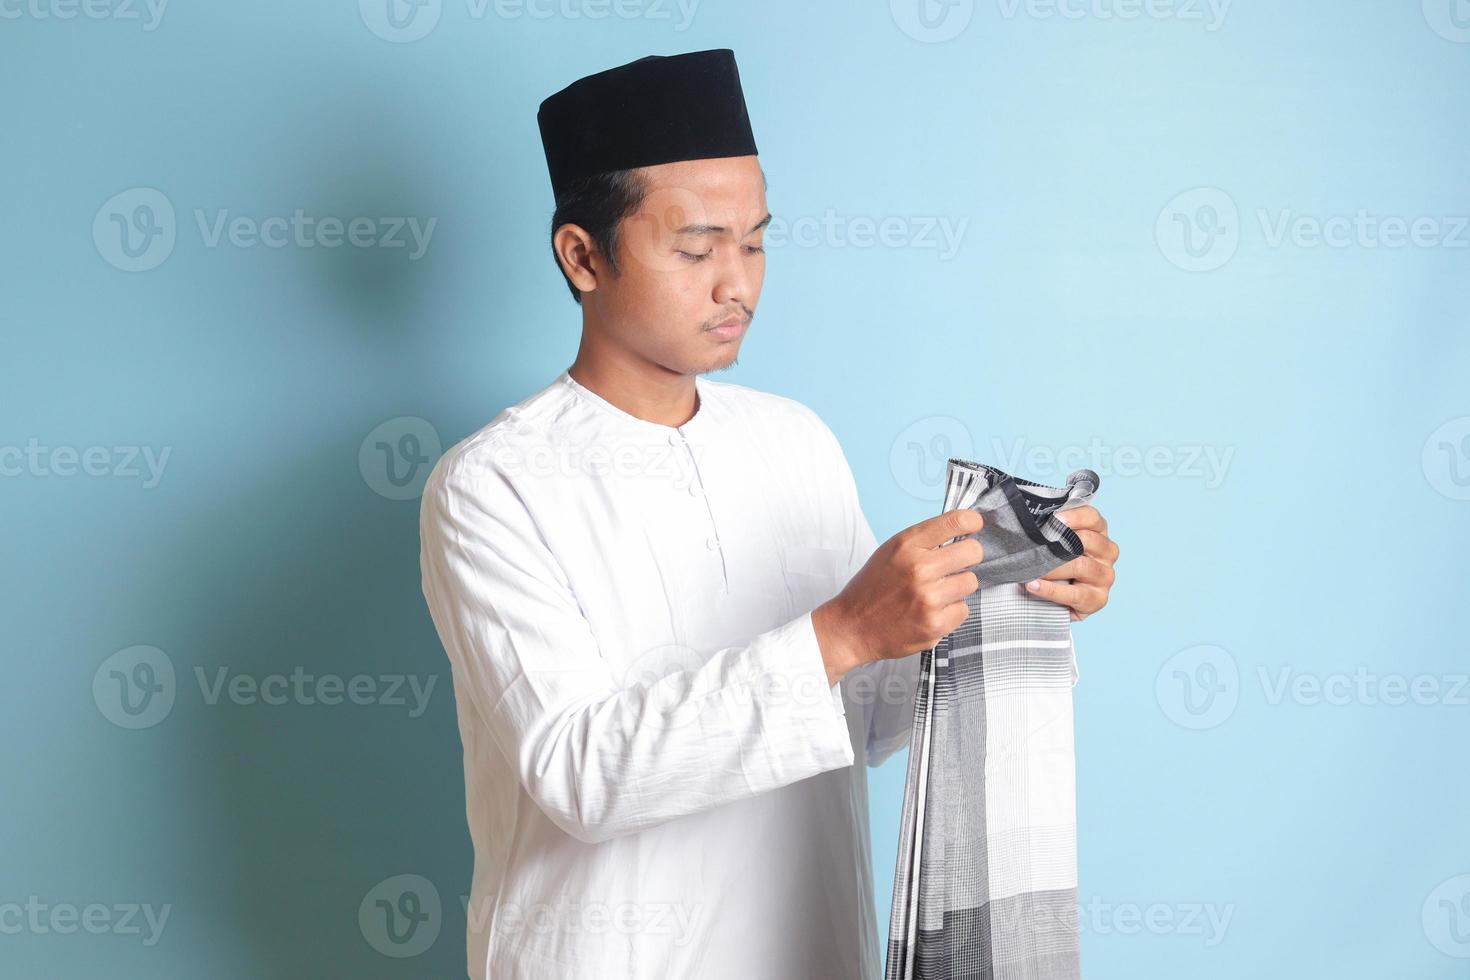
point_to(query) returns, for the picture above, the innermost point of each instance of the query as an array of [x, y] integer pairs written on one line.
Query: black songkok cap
[[653, 110]]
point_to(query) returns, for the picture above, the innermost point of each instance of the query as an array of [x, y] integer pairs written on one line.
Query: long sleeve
[[890, 685], [602, 750]]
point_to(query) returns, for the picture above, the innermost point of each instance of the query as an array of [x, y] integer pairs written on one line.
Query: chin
[[727, 357]]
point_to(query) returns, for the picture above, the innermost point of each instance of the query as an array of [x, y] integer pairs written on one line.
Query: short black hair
[[598, 204]]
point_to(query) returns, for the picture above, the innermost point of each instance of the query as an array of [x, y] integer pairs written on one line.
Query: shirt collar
[[697, 425]]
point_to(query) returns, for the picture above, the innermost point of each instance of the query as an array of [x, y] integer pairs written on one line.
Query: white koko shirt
[[659, 780]]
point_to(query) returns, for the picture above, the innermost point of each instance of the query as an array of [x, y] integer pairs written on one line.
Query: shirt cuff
[[818, 706], [814, 649]]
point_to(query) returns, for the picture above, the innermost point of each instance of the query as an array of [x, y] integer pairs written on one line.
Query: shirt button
[[712, 543]]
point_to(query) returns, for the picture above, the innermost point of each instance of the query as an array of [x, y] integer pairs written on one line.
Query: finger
[[951, 524], [1088, 571], [1082, 598], [957, 555], [1086, 516], [954, 588], [1069, 570], [1099, 546], [952, 618]]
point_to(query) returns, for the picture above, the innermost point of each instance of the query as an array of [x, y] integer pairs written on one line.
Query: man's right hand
[[907, 597]]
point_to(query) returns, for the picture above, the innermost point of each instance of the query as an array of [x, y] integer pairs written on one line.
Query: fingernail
[[1033, 585]]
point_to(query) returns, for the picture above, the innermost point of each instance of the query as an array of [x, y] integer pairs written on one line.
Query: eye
[[755, 249], [694, 256]]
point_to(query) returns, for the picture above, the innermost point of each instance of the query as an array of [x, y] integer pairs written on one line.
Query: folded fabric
[[986, 882]]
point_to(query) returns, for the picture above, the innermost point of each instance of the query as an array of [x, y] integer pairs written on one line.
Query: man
[[676, 644]]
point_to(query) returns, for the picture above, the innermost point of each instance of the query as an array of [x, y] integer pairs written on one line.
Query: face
[[690, 266]]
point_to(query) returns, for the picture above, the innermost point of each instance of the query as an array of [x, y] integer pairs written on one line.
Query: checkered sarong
[[986, 883]]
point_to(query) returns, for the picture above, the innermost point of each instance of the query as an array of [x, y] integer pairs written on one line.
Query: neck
[[636, 385]]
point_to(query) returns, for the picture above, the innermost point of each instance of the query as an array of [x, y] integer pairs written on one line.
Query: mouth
[[730, 329]]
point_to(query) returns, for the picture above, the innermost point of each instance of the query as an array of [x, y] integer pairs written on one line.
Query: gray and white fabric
[[986, 882]]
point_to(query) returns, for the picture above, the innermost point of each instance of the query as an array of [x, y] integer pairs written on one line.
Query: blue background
[[1077, 151]]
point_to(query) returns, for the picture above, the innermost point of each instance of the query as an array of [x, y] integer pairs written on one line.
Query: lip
[[730, 329]]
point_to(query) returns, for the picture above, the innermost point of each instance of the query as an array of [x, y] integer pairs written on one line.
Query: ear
[[575, 250]]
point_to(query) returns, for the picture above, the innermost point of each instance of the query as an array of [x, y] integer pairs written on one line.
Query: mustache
[[745, 313]]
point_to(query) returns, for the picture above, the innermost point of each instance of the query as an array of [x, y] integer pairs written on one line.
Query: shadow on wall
[[319, 804], [374, 172], [322, 803], [344, 823]]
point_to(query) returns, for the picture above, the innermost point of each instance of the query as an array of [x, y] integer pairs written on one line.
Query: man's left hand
[[1082, 584]]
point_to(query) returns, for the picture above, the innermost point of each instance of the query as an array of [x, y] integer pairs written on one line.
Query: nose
[[734, 282]]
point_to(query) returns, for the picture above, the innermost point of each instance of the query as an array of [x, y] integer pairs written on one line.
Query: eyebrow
[[719, 229]]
